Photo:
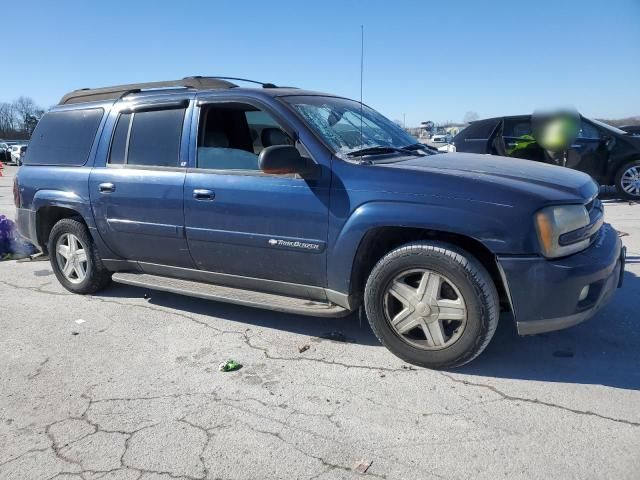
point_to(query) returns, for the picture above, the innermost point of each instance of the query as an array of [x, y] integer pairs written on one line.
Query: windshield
[[608, 127], [338, 122]]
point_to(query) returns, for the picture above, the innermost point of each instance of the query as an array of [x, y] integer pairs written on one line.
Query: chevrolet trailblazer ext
[[309, 203]]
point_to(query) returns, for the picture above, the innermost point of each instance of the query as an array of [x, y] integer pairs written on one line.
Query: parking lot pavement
[[125, 385]]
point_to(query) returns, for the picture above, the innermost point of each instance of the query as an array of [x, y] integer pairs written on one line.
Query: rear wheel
[[628, 180], [432, 304], [74, 258]]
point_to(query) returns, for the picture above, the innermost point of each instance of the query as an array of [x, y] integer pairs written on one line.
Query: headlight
[[554, 222]]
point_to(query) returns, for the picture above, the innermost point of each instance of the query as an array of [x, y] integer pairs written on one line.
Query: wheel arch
[[51, 206], [379, 241], [616, 166], [47, 216], [484, 229]]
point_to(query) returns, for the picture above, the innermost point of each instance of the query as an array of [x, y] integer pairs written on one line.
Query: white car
[[447, 148], [441, 138], [15, 152]]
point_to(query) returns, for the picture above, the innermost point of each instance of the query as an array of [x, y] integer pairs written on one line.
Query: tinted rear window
[[155, 138], [64, 138], [481, 130]]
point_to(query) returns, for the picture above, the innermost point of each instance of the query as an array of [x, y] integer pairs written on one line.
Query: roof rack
[[119, 91], [263, 84]]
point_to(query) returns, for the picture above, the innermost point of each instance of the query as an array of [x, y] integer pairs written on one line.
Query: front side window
[[588, 131], [232, 135], [347, 126], [148, 138], [516, 127]]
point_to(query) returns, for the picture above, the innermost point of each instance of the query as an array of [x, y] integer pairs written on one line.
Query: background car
[[441, 138], [15, 152], [23, 152], [5, 152], [632, 129], [610, 155]]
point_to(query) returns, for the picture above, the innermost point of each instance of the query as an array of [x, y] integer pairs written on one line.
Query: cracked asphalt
[[124, 385]]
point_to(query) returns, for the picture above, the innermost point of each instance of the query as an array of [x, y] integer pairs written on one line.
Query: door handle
[[107, 188], [202, 194]]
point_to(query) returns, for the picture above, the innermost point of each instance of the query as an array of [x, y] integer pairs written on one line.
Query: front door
[[266, 229], [589, 152], [137, 195]]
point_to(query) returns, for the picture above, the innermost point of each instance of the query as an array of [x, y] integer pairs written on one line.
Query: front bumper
[[544, 294]]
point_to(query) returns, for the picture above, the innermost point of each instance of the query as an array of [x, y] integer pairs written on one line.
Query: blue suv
[[310, 203]]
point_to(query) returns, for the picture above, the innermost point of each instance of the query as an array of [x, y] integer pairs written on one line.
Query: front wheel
[[432, 304], [628, 181], [74, 258]]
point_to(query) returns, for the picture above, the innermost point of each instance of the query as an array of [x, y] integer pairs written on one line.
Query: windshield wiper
[[380, 150]]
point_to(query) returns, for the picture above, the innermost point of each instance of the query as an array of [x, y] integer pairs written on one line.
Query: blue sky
[[428, 60]]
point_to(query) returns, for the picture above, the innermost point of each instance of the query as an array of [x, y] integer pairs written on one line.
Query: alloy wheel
[[71, 256], [425, 309], [630, 181]]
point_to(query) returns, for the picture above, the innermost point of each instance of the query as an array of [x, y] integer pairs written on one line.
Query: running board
[[248, 298]]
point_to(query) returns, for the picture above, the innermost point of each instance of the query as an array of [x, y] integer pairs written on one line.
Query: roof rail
[[263, 84], [119, 91]]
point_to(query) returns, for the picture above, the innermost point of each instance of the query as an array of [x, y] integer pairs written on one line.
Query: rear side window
[[148, 138], [64, 138], [118, 152], [480, 130]]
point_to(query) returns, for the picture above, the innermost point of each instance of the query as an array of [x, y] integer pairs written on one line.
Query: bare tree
[[24, 108], [19, 118], [7, 120], [471, 116]]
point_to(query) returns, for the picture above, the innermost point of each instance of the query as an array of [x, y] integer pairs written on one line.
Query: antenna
[[361, 74]]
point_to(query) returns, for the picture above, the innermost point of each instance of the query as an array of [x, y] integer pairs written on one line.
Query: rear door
[[137, 190], [477, 137]]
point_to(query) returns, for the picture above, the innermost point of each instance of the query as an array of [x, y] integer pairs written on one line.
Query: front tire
[[74, 258], [432, 304], [628, 180]]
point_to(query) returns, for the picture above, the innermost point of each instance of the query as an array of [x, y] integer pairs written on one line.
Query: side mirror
[[285, 159]]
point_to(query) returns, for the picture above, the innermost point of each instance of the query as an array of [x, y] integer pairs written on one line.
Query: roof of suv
[[196, 83]]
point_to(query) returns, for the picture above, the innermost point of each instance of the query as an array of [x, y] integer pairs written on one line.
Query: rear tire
[[432, 304], [74, 258], [628, 180]]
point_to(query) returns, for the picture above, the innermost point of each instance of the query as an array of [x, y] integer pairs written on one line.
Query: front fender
[[489, 226]]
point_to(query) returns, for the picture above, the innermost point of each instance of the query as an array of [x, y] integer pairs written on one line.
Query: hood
[[550, 182]]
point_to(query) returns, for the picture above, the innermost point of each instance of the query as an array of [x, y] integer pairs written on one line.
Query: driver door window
[[232, 135], [588, 131]]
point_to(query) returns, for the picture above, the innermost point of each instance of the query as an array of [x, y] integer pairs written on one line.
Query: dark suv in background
[[610, 155], [314, 204]]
